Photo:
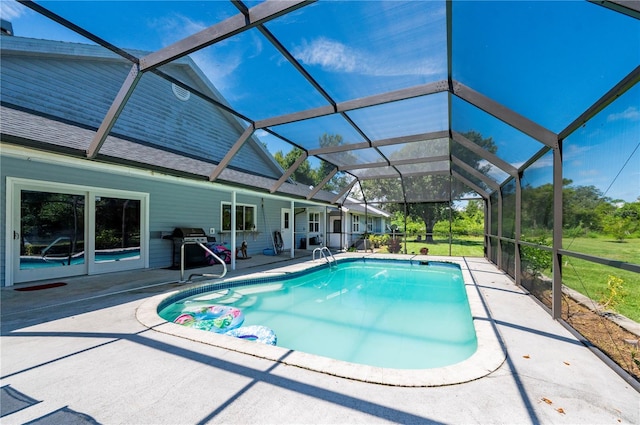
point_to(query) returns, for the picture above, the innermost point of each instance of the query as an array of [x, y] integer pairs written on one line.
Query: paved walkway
[[77, 354]]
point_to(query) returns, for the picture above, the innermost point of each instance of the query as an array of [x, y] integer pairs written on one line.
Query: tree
[[303, 174], [438, 187], [581, 206], [623, 222], [338, 181], [307, 175]]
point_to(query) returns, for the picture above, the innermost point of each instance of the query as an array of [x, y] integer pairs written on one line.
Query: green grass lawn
[[588, 278], [469, 247]]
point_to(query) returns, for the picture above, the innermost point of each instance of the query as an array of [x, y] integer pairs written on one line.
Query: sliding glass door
[[117, 232], [51, 233], [64, 230]]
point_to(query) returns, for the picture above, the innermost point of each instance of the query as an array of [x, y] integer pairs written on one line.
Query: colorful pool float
[[213, 318], [255, 333]]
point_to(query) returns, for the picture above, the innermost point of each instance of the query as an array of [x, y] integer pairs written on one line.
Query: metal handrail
[[220, 260], [322, 250], [335, 260], [52, 244], [43, 253]]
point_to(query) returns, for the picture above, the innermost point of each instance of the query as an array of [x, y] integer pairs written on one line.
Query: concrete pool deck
[[77, 353]]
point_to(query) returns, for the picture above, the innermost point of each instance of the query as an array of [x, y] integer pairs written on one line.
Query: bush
[[394, 245], [535, 259]]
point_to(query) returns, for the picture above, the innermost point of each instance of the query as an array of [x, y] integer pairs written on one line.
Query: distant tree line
[[585, 209]]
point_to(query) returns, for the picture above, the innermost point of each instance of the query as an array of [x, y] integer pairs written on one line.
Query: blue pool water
[[394, 314], [33, 262]]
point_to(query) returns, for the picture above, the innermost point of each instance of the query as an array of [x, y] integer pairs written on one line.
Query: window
[[356, 224], [314, 222], [245, 217], [370, 224]]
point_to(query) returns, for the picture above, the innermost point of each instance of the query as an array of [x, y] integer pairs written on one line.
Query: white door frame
[[13, 274], [286, 227]]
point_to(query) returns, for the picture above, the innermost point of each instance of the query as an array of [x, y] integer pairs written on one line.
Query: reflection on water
[[33, 262]]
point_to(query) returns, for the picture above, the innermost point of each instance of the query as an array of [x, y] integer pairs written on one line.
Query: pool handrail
[[203, 246], [43, 253], [322, 250]]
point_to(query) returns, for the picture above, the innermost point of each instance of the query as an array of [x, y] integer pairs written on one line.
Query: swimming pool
[[488, 356], [392, 314]]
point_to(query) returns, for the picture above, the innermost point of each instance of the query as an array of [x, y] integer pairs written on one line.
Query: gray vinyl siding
[[171, 204], [79, 87]]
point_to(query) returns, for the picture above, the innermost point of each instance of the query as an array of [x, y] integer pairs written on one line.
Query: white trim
[[8, 236]]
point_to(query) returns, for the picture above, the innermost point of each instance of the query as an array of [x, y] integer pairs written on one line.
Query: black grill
[[194, 255], [189, 234]]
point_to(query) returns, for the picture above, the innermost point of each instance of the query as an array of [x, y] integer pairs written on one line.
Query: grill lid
[[188, 232]]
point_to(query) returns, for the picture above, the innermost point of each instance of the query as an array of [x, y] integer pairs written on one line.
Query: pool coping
[[488, 357]]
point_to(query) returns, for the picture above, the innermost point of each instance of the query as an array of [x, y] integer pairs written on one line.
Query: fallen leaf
[[546, 400], [560, 410], [526, 356], [567, 363]]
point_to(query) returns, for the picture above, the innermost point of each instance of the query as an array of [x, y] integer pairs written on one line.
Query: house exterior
[[67, 215], [349, 224]]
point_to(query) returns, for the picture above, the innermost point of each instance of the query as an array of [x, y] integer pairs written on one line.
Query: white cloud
[[330, 55], [544, 162], [174, 28], [334, 56], [631, 114], [218, 68], [572, 151], [10, 10], [591, 172]]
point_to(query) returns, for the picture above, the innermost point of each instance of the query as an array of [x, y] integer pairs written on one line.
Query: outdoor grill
[[189, 234], [193, 254]]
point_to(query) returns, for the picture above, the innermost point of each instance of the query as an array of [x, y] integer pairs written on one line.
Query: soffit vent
[[180, 93]]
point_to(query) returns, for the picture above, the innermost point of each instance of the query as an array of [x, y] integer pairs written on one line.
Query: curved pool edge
[[488, 357]]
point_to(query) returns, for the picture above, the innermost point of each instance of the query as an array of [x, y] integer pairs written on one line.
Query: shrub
[[394, 245], [535, 259]]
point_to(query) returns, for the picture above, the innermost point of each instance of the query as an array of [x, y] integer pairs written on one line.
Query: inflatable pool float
[[255, 333], [213, 318], [185, 320]]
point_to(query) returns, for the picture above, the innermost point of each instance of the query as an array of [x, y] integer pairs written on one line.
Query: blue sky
[[550, 70]]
